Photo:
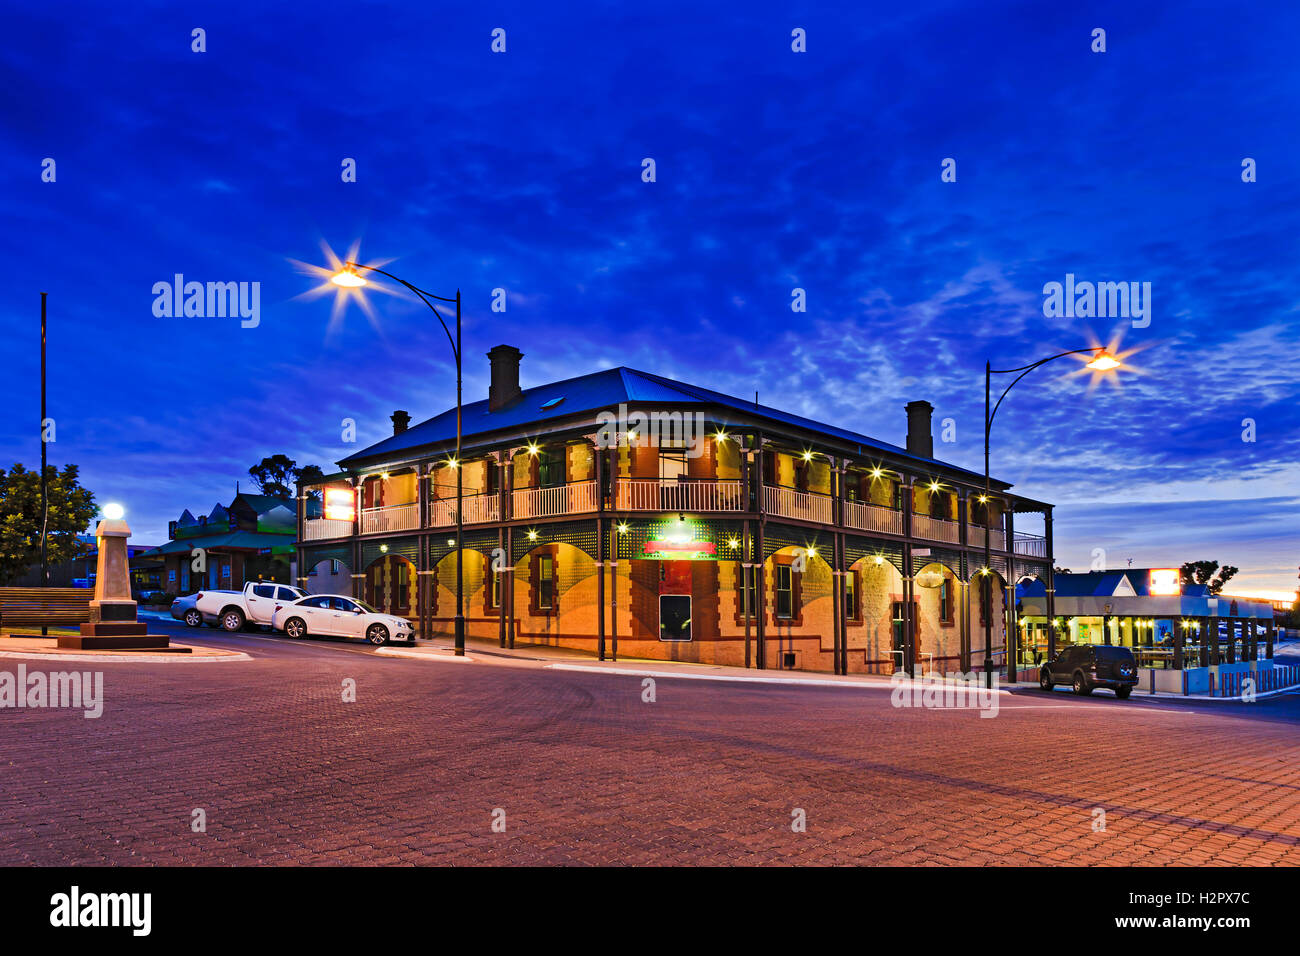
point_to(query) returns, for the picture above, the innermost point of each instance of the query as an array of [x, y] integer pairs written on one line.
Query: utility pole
[[45, 504]]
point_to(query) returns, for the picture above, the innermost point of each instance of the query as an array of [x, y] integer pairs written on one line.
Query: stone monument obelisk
[[113, 621]]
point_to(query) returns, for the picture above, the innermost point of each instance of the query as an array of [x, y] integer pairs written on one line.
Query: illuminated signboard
[[340, 504], [680, 550], [1164, 581]]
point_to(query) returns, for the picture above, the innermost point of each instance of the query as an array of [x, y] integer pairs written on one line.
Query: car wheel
[[377, 634], [193, 618], [1045, 679], [295, 627], [1123, 692], [1081, 685], [232, 621]]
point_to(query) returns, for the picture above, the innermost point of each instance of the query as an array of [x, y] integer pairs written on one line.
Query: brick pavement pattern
[[587, 773]]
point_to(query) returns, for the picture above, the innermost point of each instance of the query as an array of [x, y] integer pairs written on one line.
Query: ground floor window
[[493, 585], [388, 585], [784, 592], [852, 609], [946, 603], [544, 583]]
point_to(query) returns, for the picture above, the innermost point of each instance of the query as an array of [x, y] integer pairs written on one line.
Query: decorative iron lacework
[[372, 551], [857, 547], [778, 536], [1036, 569], [954, 561], [480, 540], [314, 556], [718, 532], [579, 534]]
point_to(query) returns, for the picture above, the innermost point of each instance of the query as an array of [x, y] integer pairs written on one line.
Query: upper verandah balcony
[[558, 479]]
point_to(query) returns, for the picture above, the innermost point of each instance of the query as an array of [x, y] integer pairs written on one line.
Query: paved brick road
[[587, 773]]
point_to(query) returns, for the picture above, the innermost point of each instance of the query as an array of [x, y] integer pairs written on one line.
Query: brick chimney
[[505, 376], [400, 420], [920, 436]]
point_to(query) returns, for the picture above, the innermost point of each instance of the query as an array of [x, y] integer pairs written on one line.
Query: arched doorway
[[329, 576], [939, 622], [873, 616], [390, 585]]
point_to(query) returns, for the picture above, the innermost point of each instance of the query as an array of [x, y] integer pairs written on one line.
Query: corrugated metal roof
[[1103, 584], [248, 540], [595, 392]]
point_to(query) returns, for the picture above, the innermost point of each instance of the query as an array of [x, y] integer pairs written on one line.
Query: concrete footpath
[[562, 658]]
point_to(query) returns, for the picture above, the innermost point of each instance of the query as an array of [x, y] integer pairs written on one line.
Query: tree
[[273, 475], [1207, 573], [278, 474], [71, 509]]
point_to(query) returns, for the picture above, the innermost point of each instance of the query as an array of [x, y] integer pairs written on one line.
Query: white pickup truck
[[256, 604]]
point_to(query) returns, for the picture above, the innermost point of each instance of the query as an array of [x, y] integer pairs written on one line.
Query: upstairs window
[[550, 467], [672, 464]]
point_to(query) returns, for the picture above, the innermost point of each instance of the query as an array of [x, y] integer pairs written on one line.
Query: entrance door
[[674, 600]]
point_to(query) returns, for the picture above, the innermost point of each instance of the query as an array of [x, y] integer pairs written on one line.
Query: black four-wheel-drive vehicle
[[1086, 667]]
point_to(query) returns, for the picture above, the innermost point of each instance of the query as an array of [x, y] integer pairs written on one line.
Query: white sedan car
[[333, 615]]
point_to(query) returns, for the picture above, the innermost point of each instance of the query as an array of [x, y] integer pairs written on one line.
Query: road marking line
[[738, 679]]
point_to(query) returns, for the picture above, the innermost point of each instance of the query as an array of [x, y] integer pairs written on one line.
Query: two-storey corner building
[[628, 514]]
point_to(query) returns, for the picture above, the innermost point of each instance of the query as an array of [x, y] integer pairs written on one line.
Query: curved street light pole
[[426, 298], [987, 574]]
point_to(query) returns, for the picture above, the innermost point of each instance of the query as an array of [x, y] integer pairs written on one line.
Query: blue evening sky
[[775, 170]]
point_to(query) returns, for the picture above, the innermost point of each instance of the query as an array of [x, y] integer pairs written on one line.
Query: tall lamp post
[[348, 278], [1102, 363]]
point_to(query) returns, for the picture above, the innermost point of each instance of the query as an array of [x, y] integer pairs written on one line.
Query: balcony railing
[[1029, 544], [936, 529], [404, 517], [575, 498], [807, 505], [317, 528], [478, 508], [975, 538], [867, 517], [677, 494]]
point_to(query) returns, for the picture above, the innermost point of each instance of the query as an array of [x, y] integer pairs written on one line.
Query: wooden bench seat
[[33, 607]]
